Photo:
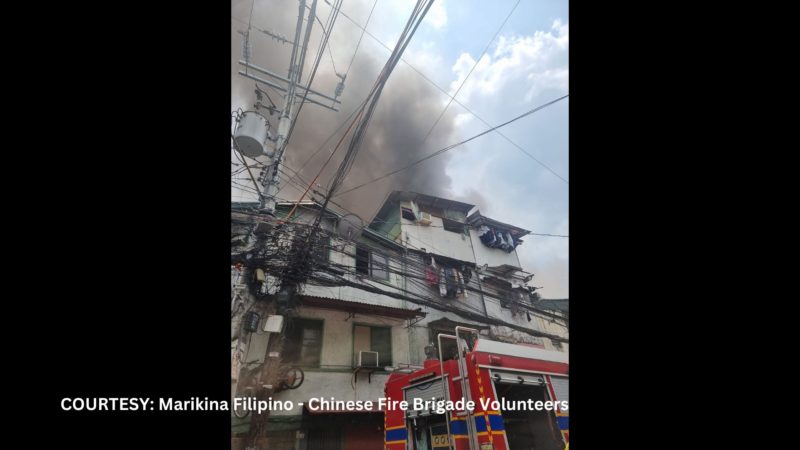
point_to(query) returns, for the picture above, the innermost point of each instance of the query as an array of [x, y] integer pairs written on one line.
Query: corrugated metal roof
[[359, 307], [554, 304]]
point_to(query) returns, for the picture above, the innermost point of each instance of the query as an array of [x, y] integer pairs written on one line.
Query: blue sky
[[526, 66]]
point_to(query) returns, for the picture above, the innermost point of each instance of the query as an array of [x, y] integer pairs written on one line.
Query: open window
[[453, 226], [372, 264], [362, 260], [407, 213]]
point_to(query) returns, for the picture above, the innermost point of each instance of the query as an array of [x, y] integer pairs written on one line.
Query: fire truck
[[496, 377]]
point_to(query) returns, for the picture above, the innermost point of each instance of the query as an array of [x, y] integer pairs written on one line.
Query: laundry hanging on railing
[[494, 238], [432, 273], [462, 288], [451, 283]]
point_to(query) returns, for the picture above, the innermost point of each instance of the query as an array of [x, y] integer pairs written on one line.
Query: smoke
[[408, 107]]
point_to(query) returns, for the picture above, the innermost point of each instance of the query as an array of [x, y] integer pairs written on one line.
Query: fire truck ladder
[[465, 392]]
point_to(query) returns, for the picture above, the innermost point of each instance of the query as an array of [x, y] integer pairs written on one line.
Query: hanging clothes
[[488, 237], [452, 282], [467, 273], [431, 276], [432, 273], [510, 241], [415, 210], [462, 288], [442, 283], [502, 241]]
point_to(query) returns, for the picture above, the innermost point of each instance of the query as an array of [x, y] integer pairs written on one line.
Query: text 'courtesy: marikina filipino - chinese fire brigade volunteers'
[[317, 404], [384, 404]]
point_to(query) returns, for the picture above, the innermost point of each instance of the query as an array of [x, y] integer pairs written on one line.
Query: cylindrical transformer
[[251, 134]]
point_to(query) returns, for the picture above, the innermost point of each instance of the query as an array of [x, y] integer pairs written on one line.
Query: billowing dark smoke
[[407, 108]]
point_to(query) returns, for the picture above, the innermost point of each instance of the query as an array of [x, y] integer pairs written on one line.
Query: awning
[[361, 308]]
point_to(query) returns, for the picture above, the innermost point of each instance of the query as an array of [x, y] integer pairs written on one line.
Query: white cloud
[[539, 62], [437, 15], [425, 57], [518, 71], [462, 119]]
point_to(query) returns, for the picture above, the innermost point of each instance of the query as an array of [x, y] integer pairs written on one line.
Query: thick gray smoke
[[407, 108]]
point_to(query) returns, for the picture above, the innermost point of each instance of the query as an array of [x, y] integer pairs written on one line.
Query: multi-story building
[[368, 299]]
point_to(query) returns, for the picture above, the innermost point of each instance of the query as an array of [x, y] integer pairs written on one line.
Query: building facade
[[366, 299]]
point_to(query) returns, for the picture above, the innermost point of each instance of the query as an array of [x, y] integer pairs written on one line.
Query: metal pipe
[[282, 89], [478, 276], [446, 388], [276, 76], [462, 369]]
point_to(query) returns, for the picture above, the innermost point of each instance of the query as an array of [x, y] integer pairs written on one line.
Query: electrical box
[[251, 320], [424, 218], [367, 359], [260, 275], [274, 324]]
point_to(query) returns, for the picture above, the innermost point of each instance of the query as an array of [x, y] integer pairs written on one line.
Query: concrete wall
[[435, 239], [553, 328], [334, 377]]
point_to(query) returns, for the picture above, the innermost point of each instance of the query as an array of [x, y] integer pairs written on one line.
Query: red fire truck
[[509, 385]]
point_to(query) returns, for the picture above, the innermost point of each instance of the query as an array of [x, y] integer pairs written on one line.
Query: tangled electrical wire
[[333, 261]]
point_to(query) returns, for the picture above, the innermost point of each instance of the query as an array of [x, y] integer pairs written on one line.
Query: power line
[[344, 209], [452, 146], [415, 272], [463, 82], [410, 29], [410, 265], [358, 44], [324, 41], [322, 146], [338, 144], [296, 271], [443, 91]]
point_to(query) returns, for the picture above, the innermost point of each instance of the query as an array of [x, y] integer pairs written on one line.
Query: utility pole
[[267, 198], [269, 178]]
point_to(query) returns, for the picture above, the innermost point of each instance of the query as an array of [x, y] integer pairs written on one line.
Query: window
[[362, 260], [557, 345], [372, 264], [453, 226], [407, 214], [380, 266], [303, 342], [373, 339]]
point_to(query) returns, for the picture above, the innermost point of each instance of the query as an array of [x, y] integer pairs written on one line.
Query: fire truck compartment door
[[509, 377], [560, 387], [430, 391]]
